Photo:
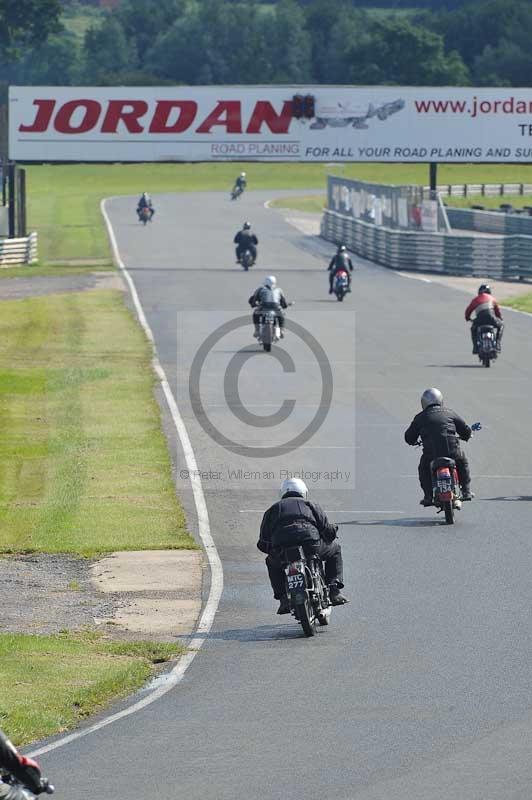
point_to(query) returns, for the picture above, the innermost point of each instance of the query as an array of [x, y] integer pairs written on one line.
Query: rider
[[439, 429], [241, 182], [245, 239], [295, 520], [22, 768], [487, 312], [145, 202], [269, 295], [340, 261]]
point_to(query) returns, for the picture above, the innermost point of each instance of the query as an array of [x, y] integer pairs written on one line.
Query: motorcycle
[[269, 330], [446, 491], [10, 780], [341, 284], [487, 344], [306, 589], [236, 191], [145, 214], [247, 259]]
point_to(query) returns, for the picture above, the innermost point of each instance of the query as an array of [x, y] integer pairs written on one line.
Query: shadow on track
[[401, 522], [512, 498], [262, 633], [455, 366]]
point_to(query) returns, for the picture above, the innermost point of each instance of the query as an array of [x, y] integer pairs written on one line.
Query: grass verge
[[63, 199], [46, 270], [56, 681], [84, 466], [522, 303], [310, 203]]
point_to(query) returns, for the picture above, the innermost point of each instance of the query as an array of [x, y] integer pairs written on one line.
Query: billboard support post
[[11, 179], [433, 176]]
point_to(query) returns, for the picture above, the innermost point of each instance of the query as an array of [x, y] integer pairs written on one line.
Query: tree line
[[150, 42]]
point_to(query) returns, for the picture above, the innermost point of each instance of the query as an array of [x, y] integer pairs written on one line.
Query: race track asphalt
[[421, 686]]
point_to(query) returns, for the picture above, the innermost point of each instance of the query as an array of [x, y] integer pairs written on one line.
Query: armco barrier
[[18, 251], [489, 221], [483, 257]]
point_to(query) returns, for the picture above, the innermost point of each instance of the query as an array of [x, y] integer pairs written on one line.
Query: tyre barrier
[[18, 251], [497, 256]]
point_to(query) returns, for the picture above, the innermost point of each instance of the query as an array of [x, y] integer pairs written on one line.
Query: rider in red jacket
[[487, 312]]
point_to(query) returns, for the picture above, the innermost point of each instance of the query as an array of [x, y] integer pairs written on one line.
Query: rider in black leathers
[[22, 768], [294, 520], [440, 430], [245, 239], [340, 261], [269, 295]]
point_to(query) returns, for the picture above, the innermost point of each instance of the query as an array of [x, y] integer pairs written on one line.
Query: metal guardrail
[[484, 257], [489, 221], [483, 189], [18, 251]]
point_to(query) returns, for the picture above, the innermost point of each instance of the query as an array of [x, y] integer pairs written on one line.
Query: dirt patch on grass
[[150, 595]]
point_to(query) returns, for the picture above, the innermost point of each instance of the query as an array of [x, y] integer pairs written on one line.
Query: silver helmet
[[270, 281], [294, 486], [431, 397]]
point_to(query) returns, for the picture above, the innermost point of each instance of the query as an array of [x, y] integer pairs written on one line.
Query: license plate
[[295, 581]]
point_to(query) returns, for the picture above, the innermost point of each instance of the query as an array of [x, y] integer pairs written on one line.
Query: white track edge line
[[207, 618], [458, 289]]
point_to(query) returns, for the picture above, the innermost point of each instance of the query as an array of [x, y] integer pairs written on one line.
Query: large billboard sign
[[256, 123]]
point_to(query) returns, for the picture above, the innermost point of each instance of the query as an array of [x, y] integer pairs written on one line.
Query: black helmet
[[484, 289], [247, 226], [342, 248]]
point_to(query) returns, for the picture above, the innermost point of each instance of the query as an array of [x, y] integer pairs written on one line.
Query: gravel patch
[[45, 594]]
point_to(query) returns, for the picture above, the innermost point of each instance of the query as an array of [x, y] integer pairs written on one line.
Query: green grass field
[[64, 199], [85, 466], [56, 681], [310, 203], [522, 303]]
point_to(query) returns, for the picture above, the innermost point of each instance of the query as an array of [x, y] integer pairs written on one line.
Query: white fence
[[484, 189], [18, 251]]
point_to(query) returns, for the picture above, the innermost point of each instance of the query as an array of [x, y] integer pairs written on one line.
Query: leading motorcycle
[[446, 491], [487, 343], [269, 330], [247, 259], [341, 284], [145, 214], [306, 588]]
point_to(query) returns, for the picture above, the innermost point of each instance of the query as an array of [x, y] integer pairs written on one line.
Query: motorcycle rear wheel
[[449, 512], [487, 361], [307, 618]]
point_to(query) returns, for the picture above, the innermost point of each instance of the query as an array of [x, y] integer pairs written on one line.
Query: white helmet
[[270, 281], [431, 397], [242, 174], [294, 486]]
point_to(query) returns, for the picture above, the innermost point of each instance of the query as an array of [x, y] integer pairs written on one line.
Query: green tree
[[144, 20], [288, 44], [214, 42], [395, 51], [484, 24], [24, 23], [56, 62], [107, 53]]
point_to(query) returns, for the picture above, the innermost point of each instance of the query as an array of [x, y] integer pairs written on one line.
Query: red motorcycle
[[446, 492]]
